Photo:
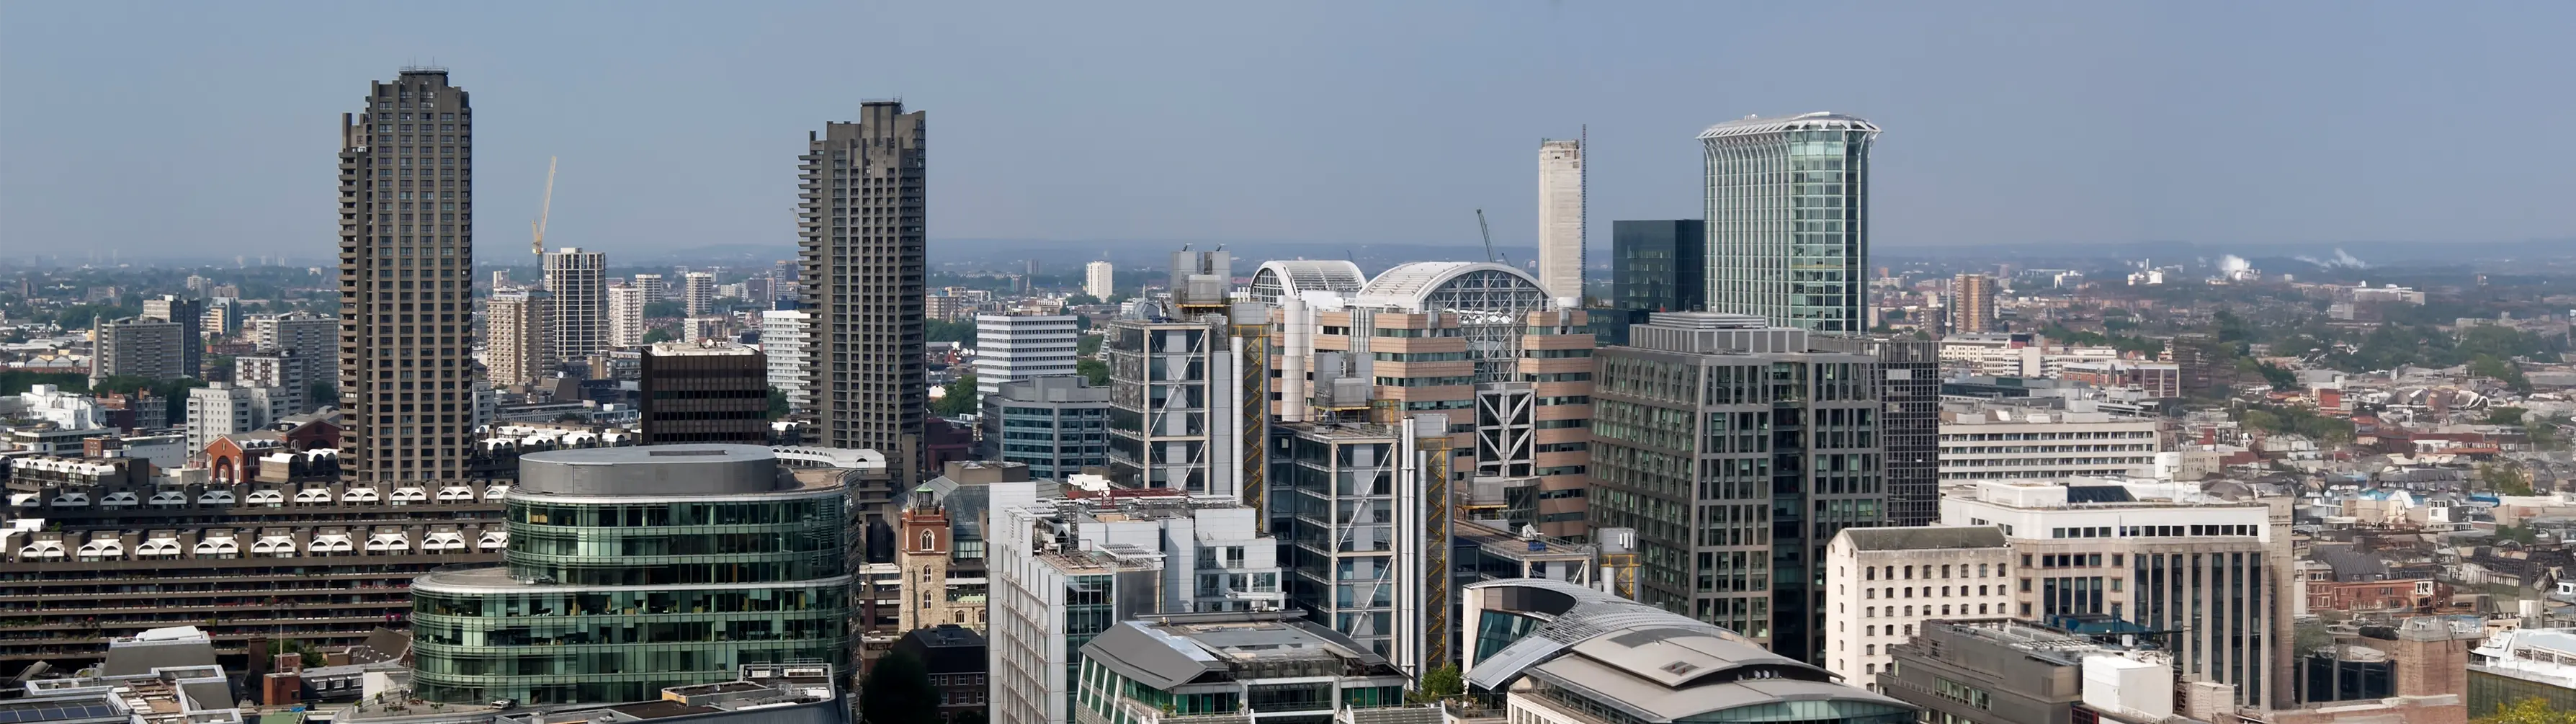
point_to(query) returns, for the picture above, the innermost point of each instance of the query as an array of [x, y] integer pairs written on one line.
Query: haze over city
[[1330, 123]]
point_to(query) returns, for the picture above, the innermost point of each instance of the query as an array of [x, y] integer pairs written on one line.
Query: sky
[[211, 128]]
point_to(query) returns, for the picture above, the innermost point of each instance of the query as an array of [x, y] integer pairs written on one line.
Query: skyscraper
[[577, 321], [698, 293], [1561, 256], [515, 329], [406, 260], [313, 338], [144, 347], [1788, 220], [861, 221], [1972, 303], [625, 316], [1099, 279]]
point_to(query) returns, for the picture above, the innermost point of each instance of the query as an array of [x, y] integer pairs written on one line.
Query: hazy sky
[[210, 128]]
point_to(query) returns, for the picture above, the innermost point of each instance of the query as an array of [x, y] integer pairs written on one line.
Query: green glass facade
[[612, 598], [1788, 220]]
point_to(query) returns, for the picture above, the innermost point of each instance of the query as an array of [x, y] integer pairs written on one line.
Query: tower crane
[[1488, 233], [537, 245]]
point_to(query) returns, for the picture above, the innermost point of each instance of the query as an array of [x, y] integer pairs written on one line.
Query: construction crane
[[538, 244], [1488, 232]]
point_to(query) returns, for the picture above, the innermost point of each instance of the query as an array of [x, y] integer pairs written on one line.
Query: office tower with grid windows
[[189, 314], [655, 287], [577, 322], [406, 260], [1788, 220], [861, 221]]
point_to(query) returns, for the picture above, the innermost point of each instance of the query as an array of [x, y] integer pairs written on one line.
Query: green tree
[[2275, 375], [777, 403], [2533, 710], [1094, 371], [1081, 300], [2505, 416], [15, 381], [666, 308], [1437, 684], [939, 331], [659, 334], [959, 399], [1088, 345], [898, 691], [321, 394], [2505, 480], [2501, 370]]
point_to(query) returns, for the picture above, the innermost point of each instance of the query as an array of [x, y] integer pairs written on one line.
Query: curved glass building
[[637, 568]]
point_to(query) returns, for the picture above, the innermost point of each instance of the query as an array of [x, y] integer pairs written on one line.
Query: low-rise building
[[1057, 426], [2001, 671], [2523, 664], [954, 657], [1551, 652], [1270, 666], [1995, 441]]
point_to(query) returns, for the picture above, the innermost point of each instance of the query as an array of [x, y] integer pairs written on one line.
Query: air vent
[[1680, 667]]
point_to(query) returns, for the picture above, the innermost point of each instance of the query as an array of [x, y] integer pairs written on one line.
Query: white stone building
[[1014, 348], [784, 334], [1099, 279], [1885, 582], [1995, 442], [1561, 253]]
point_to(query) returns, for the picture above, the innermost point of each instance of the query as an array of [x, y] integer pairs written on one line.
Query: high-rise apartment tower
[[1099, 279], [577, 322], [1972, 303], [861, 221], [1788, 220], [406, 260], [515, 326], [655, 287], [625, 316], [1561, 254], [189, 314], [698, 293]]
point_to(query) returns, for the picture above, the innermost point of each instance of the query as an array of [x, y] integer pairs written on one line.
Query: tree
[[665, 308], [2502, 479], [777, 403], [898, 691], [2500, 370], [663, 334], [1088, 345], [1094, 371], [321, 394], [959, 399], [2533, 710], [941, 331], [1081, 300], [1438, 684], [2505, 416]]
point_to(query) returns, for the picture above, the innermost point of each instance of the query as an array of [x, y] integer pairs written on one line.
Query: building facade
[[150, 348], [577, 321], [1659, 266], [698, 293], [1100, 279], [314, 339], [704, 393], [1057, 426], [223, 408], [1562, 257], [1972, 303], [625, 316], [650, 567], [1065, 571], [321, 562], [1788, 220], [2002, 671], [1982, 441], [1894, 581], [2211, 578], [1015, 347], [189, 314], [1736, 451], [517, 351], [406, 279], [862, 253], [784, 338], [655, 287]]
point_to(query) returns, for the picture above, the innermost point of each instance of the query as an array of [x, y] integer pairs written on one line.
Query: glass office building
[[637, 568], [1788, 220], [1659, 266]]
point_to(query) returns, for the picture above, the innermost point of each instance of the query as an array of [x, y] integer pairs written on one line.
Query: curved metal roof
[[1430, 286], [1286, 278], [1817, 121]]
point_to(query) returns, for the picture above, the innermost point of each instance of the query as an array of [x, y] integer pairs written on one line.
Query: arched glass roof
[[1433, 286], [1287, 278]]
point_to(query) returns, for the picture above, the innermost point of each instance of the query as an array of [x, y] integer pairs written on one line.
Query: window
[[1961, 693]]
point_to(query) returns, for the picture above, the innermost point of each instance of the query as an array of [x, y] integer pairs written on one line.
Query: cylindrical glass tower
[[633, 569]]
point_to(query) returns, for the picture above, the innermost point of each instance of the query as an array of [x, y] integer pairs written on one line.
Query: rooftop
[[1925, 537], [1210, 648], [1818, 120]]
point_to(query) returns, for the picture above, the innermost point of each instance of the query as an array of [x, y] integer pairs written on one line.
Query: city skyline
[[2125, 155]]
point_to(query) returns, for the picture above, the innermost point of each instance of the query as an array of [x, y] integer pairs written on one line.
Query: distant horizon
[[170, 129]]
